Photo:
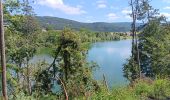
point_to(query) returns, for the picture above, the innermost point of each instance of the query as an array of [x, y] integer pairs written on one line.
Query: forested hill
[[59, 23]]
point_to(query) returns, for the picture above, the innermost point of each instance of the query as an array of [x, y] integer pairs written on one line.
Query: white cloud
[[168, 7], [128, 17], [89, 19], [112, 16], [167, 1], [126, 11], [101, 4], [51, 15], [166, 15], [59, 4]]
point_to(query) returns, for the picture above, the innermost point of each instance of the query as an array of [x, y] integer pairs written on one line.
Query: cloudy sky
[[93, 10]]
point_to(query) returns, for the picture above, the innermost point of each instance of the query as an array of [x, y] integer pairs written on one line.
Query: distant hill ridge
[[59, 23]]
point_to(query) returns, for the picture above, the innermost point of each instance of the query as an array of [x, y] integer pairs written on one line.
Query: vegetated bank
[[70, 69]]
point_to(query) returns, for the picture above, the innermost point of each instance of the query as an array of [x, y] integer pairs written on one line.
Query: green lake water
[[110, 56]]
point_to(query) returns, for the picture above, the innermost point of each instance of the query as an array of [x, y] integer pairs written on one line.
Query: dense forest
[[60, 23], [147, 69]]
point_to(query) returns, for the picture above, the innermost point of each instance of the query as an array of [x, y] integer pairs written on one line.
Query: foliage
[[131, 70], [155, 50], [152, 44], [89, 36], [69, 64], [60, 23], [140, 90], [69, 47], [21, 96], [21, 29]]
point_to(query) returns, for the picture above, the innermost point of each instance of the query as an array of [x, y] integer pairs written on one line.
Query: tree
[[141, 11], [3, 59], [69, 65], [154, 41], [21, 43], [135, 58]]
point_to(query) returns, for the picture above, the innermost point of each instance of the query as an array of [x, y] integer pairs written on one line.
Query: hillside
[[59, 23]]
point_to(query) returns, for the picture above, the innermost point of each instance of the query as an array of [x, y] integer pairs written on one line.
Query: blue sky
[[93, 10]]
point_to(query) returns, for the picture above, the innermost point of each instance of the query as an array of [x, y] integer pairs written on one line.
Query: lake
[[110, 56]]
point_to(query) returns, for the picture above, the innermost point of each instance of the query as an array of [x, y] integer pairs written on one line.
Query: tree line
[[69, 70], [150, 49]]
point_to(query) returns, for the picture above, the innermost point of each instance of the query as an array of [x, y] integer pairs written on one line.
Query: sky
[[93, 10]]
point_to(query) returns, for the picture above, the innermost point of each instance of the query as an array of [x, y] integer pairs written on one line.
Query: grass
[[139, 90]]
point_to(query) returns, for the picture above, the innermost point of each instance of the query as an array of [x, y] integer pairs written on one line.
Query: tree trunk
[[3, 59], [28, 79], [64, 87], [135, 49]]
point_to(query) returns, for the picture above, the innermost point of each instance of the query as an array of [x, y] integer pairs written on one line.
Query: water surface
[[110, 56]]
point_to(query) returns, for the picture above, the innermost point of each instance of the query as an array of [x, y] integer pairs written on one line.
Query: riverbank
[[144, 89]]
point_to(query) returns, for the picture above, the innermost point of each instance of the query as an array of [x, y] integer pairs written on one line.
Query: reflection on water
[[39, 58], [110, 56]]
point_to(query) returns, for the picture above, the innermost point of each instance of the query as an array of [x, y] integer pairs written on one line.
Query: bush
[[139, 90]]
